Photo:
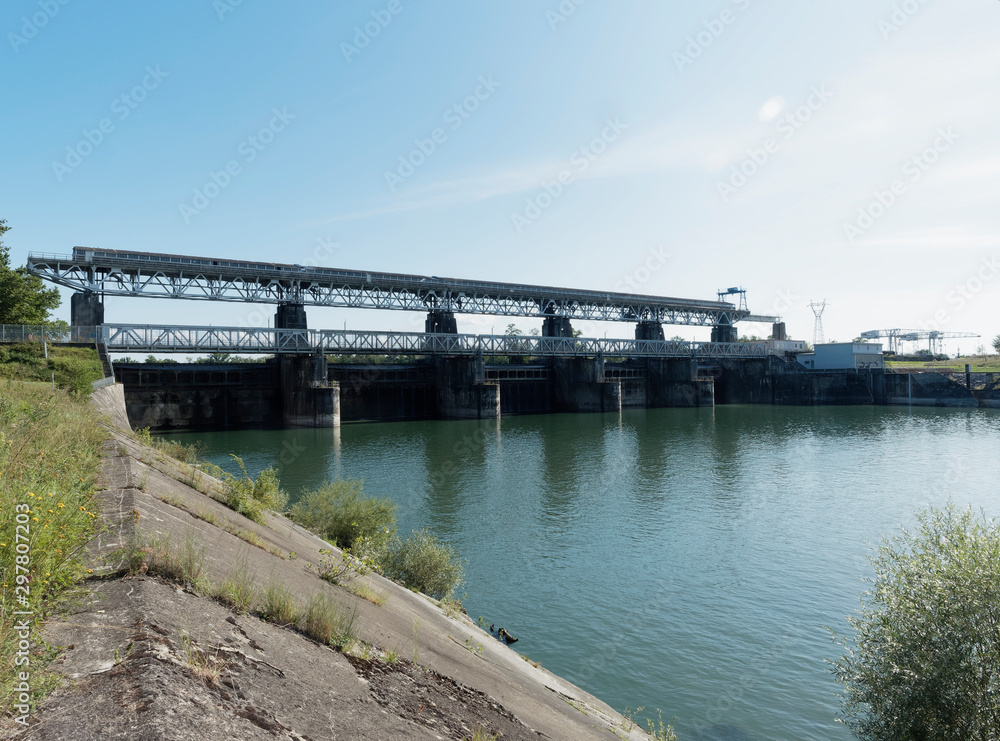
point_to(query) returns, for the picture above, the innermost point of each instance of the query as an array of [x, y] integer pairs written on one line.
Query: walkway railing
[[40, 332], [160, 339], [151, 338]]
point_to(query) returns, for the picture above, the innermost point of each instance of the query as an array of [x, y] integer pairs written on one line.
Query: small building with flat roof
[[844, 356]]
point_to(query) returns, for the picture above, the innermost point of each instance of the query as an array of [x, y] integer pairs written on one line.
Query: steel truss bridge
[[127, 273], [161, 339], [150, 338]]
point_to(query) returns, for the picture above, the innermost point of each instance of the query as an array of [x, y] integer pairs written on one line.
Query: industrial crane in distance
[[895, 336]]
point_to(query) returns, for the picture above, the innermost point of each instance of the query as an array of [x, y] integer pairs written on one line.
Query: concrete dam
[[166, 396], [439, 373]]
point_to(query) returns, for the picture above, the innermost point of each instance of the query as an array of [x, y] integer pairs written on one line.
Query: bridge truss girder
[[118, 273], [160, 339]]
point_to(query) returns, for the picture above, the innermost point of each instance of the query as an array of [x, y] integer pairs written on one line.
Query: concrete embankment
[[148, 659], [927, 389], [777, 381], [989, 396]]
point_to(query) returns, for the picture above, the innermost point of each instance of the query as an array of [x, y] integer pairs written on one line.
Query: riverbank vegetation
[[981, 363], [365, 527], [924, 662], [72, 368], [339, 512], [319, 617], [50, 456]]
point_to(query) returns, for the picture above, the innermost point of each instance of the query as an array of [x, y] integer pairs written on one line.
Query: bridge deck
[[147, 338], [249, 340], [128, 273]]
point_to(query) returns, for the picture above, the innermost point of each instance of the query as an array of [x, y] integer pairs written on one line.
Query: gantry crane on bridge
[[895, 336]]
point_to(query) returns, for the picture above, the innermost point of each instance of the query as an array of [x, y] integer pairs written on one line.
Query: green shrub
[[249, 496], [341, 513], [924, 662], [75, 368], [156, 555], [424, 563]]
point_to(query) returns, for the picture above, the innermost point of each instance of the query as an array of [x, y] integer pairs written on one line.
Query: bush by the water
[[424, 563], [924, 662], [341, 513]]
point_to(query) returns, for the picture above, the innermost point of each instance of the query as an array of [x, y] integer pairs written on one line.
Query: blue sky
[[843, 151]]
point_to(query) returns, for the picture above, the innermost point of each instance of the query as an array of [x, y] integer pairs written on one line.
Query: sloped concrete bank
[[146, 659]]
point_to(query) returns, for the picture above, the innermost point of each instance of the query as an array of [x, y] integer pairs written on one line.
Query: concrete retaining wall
[[927, 389]]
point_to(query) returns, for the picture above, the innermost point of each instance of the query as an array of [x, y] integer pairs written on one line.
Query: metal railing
[[156, 338], [162, 338], [41, 332]]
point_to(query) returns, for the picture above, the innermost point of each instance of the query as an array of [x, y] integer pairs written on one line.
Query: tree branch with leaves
[[24, 299]]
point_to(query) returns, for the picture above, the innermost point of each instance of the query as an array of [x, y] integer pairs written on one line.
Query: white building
[[780, 347], [844, 356]]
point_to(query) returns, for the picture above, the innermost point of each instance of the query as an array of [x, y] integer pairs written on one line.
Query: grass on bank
[[243, 493], [362, 526], [50, 456], [320, 617], [979, 363], [75, 368]]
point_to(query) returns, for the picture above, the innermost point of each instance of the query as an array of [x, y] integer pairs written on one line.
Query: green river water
[[682, 559]]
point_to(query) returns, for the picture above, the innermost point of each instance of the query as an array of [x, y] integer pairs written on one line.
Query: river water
[[681, 559]]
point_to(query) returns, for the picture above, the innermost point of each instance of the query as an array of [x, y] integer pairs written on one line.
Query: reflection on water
[[678, 559]]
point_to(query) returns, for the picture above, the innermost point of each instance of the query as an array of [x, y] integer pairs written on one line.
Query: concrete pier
[[578, 385], [440, 321], [674, 382], [307, 398], [649, 330], [460, 390], [557, 326], [725, 333], [290, 316], [86, 310]]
